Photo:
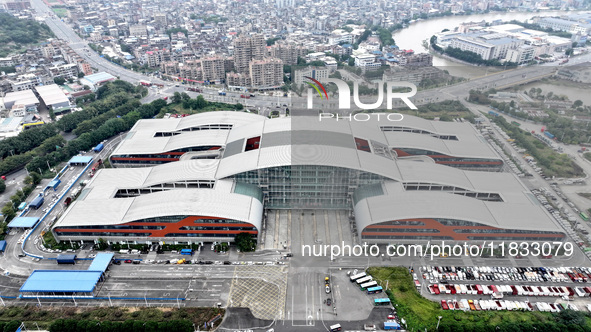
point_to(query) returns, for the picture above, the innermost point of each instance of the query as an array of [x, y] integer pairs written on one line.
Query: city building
[[488, 45], [53, 96], [138, 30], [213, 68], [317, 73], [16, 5], [521, 55], [560, 24], [94, 81], [266, 73], [288, 53], [367, 62], [26, 98], [247, 48], [302, 163]]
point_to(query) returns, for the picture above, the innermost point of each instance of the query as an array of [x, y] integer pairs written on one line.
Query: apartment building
[[213, 68], [138, 30], [521, 55], [317, 73], [367, 62], [247, 48], [266, 73], [66, 71], [287, 53]]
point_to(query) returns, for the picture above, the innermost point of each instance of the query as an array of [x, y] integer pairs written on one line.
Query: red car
[[165, 98], [128, 261]]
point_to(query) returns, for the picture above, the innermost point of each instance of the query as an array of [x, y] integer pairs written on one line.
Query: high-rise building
[[160, 19], [247, 48], [213, 68], [266, 73], [288, 53]]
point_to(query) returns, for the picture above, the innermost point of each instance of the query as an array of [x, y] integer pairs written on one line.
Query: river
[[413, 36]]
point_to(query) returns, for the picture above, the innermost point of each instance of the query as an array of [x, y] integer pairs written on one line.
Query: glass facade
[[308, 186]]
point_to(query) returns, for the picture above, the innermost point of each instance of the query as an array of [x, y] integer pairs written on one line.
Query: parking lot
[[549, 289]]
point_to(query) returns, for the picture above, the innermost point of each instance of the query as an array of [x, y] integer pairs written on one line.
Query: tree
[[176, 98], [238, 106], [245, 242], [2, 186], [59, 80], [81, 74], [577, 103]]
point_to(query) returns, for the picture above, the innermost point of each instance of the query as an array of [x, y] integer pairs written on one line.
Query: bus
[[374, 290], [384, 301], [357, 276], [367, 285], [363, 280], [335, 328], [584, 216]]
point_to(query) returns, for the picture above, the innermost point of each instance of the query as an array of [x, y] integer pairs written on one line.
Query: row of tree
[[113, 99], [74, 325]]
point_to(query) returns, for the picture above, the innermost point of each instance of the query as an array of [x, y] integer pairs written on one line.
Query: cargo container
[[547, 133]]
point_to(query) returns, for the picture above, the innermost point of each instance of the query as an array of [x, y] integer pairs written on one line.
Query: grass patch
[[585, 195], [421, 314], [587, 155], [60, 12]]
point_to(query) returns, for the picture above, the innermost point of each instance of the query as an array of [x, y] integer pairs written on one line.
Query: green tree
[[59, 80], [238, 106], [245, 242], [2, 186], [577, 103], [176, 98]]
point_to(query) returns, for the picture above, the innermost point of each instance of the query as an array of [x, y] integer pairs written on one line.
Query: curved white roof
[[190, 202], [519, 212], [141, 138]]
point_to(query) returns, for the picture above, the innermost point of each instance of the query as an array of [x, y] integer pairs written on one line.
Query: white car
[[327, 289]]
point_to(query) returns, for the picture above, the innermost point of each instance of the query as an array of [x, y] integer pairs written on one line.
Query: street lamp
[[438, 320]]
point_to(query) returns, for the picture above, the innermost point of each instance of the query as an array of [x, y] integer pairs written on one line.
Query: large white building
[[488, 45], [521, 55], [560, 24], [401, 180], [367, 62]]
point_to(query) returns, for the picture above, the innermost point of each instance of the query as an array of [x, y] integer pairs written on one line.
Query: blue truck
[[66, 259], [391, 326], [493, 113], [37, 202], [550, 136], [99, 147]]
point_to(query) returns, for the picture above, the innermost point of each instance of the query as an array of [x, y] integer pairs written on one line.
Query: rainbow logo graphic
[[316, 87]]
